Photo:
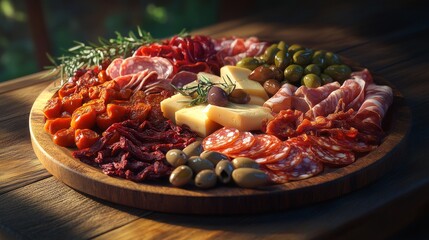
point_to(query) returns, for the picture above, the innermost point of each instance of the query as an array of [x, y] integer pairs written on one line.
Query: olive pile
[[207, 168], [295, 64]]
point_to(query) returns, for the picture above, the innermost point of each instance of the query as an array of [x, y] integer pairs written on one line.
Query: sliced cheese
[[196, 118], [240, 76], [211, 77], [256, 100], [244, 117], [171, 105]]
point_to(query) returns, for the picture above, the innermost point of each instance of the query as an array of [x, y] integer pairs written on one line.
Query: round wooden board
[[163, 197]]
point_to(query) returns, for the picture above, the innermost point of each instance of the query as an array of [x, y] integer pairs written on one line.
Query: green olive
[[325, 78], [332, 59], [213, 157], [261, 74], [338, 72], [294, 48], [302, 57], [198, 164], [282, 46], [270, 53], [239, 96], [205, 179], [181, 176], [193, 149], [282, 59], [293, 73], [312, 68], [271, 86], [278, 73], [319, 58], [311, 80], [244, 162], [249, 177], [176, 157], [249, 63], [224, 170]]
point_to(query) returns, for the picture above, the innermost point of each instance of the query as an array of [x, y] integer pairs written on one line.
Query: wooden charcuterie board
[[161, 196]]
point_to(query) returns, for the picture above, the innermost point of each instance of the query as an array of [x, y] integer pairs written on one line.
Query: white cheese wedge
[[240, 76], [244, 117], [196, 118], [171, 105]]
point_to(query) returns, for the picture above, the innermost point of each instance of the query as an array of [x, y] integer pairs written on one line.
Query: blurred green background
[[30, 28]]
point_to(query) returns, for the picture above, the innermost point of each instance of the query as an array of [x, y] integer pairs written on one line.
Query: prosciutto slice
[[282, 99], [313, 96]]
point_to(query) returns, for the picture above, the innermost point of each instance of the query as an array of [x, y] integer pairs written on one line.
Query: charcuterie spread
[[205, 111]]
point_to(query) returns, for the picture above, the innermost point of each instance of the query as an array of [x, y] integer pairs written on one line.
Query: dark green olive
[[294, 48], [293, 73], [244, 162], [278, 73], [325, 78], [261, 74], [249, 177], [217, 96], [271, 86], [206, 179], [181, 176], [312, 68], [338, 72], [311, 80], [193, 149], [224, 170], [213, 157], [239, 96], [282, 59], [198, 164], [319, 58], [270, 53], [302, 57], [332, 59], [176, 157], [249, 63], [282, 46]]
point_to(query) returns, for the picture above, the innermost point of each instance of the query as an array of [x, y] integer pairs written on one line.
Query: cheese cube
[[241, 78], [244, 117], [196, 118], [171, 105]]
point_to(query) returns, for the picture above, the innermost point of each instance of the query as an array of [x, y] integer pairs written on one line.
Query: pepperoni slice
[[220, 139], [281, 153], [294, 157], [264, 144], [307, 168], [333, 158], [243, 142], [277, 177]]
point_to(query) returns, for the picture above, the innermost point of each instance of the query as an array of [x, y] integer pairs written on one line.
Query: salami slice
[[327, 143], [243, 142], [277, 177], [113, 69], [333, 158], [294, 157], [137, 64], [281, 153], [353, 145], [264, 144], [307, 168], [220, 139]]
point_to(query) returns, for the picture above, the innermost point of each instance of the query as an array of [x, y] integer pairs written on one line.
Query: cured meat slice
[[293, 158], [220, 139], [364, 75], [284, 124], [332, 158], [327, 143], [243, 142], [263, 145], [282, 100], [307, 168], [137, 64], [313, 96], [282, 152], [122, 81], [113, 69], [357, 102], [277, 177]]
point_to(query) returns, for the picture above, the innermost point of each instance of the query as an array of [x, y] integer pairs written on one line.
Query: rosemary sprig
[[200, 91]]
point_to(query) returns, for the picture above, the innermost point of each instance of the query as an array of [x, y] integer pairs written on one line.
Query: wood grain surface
[[390, 39]]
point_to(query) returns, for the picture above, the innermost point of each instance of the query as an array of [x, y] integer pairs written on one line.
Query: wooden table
[[390, 40]]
